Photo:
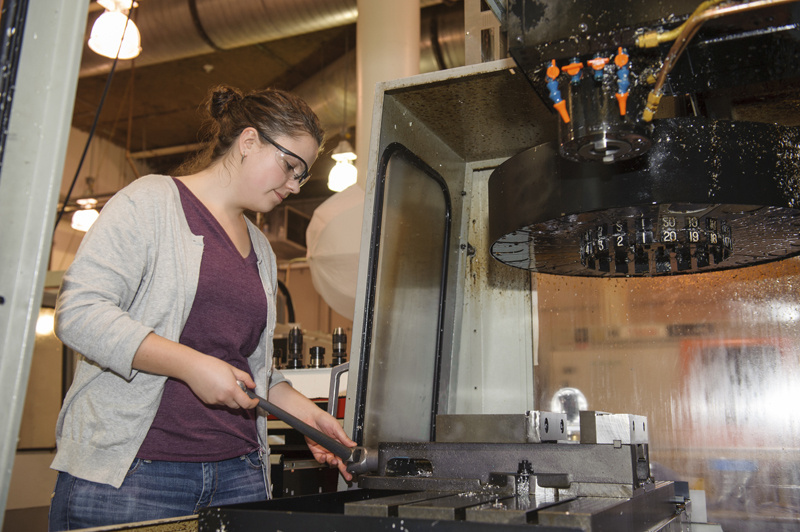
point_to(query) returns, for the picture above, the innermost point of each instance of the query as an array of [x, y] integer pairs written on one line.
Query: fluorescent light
[[46, 322]]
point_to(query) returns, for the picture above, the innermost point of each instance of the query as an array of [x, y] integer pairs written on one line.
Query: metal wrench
[[337, 448]]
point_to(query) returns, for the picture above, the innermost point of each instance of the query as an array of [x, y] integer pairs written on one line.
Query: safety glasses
[[290, 162]]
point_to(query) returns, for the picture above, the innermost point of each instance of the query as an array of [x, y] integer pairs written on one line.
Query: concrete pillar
[[387, 48]]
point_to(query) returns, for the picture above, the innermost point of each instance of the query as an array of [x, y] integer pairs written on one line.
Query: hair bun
[[221, 99]]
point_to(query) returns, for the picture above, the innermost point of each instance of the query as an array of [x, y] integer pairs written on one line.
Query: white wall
[[107, 164]]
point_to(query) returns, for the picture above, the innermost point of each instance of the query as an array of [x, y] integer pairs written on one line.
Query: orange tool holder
[[555, 94], [621, 60]]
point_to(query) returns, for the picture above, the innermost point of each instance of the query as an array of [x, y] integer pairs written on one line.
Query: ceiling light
[[107, 31], [344, 173], [46, 322], [83, 218]]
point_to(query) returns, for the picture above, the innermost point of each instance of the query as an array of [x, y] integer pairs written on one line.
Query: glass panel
[[406, 313], [711, 359]]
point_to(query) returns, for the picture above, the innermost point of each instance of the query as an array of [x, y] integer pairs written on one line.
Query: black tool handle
[[339, 449]]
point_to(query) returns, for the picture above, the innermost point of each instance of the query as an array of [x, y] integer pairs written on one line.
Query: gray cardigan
[[136, 272]]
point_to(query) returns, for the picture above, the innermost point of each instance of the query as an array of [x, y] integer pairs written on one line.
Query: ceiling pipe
[[170, 34], [441, 47], [442, 41], [177, 29]]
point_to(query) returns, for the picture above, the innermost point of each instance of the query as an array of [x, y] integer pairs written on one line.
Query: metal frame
[[14, 14], [485, 36], [418, 112], [397, 149], [30, 182], [616, 469]]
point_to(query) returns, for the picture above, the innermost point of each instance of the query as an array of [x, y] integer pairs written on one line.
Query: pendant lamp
[[114, 34]]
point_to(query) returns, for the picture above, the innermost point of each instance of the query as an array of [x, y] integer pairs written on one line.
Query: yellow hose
[[654, 38], [688, 31]]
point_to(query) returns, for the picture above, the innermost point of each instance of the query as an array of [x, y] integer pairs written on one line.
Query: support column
[[30, 179], [387, 48]]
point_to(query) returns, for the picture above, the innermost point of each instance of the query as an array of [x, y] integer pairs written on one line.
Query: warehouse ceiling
[[153, 105], [158, 106]]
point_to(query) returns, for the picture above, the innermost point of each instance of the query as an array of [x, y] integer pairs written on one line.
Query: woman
[[171, 301]]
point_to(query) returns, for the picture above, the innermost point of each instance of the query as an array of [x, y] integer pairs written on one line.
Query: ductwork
[[177, 29], [442, 47]]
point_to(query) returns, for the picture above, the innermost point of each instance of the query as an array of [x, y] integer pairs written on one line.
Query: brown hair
[[273, 112]]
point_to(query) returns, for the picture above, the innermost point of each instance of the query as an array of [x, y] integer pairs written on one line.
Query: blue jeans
[[156, 490]]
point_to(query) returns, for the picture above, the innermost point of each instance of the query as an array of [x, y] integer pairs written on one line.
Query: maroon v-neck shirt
[[227, 319]]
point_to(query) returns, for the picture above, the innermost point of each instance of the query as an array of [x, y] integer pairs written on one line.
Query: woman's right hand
[[212, 380]]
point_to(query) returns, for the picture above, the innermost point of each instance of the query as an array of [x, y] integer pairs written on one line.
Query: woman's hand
[[214, 382], [284, 396], [329, 425], [211, 379]]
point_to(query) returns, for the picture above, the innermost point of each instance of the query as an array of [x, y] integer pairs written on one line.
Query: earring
[[243, 157]]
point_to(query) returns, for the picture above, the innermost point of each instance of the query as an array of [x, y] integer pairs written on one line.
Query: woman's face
[[270, 169]]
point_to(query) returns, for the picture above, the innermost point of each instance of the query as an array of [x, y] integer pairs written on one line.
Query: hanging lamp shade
[[107, 33], [333, 240]]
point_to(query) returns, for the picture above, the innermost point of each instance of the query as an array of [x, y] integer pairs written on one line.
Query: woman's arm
[[211, 379], [100, 285], [284, 396]]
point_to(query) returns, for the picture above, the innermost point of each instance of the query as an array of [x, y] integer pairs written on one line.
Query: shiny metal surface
[[708, 195], [554, 465], [516, 510], [492, 366], [387, 506], [333, 390], [602, 427], [592, 514], [230, 23], [423, 123], [453, 507], [625, 344], [38, 91], [406, 307], [531, 427], [364, 461]]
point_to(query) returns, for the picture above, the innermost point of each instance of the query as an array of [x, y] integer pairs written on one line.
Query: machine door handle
[[333, 393]]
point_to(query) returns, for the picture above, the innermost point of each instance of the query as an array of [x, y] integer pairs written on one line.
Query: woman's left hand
[[284, 396], [328, 425]]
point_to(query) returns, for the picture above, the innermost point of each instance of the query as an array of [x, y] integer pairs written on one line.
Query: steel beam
[[30, 181]]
